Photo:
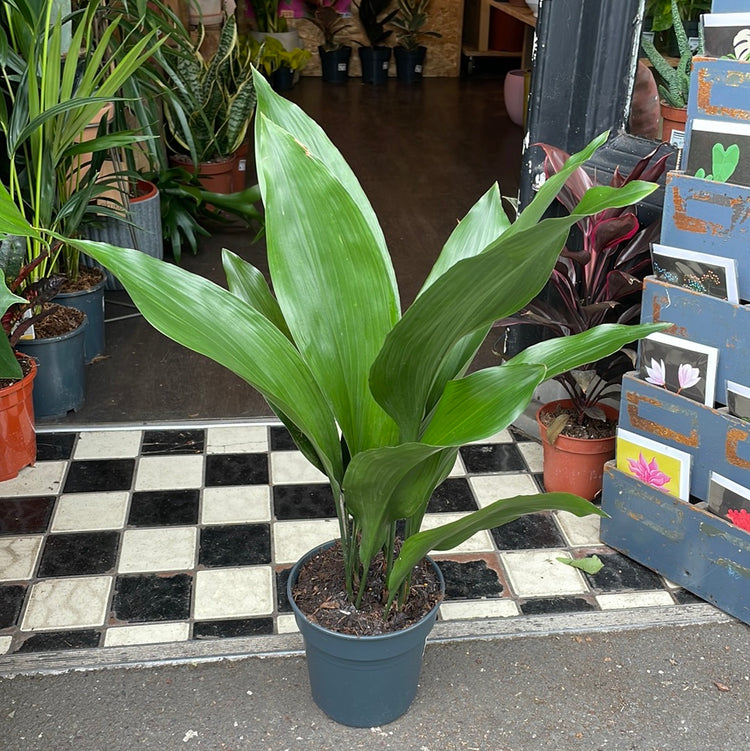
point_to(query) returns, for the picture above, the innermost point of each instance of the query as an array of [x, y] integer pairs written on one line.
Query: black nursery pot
[[282, 79], [335, 64], [409, 63], [375, 64]]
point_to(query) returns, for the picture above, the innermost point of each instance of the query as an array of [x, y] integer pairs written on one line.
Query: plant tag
[[29, 333], [677, 139], [242, 165], [385, 65], [417, 68], [341, 67]]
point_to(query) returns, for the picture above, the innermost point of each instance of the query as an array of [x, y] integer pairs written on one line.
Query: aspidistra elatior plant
[[598, 282], [376, 399]]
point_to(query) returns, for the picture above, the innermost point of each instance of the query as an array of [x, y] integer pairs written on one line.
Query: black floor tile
[[54, 640], [173, 442], [11, 602], [79, 554], [99, 474], [620, 572], [313, 501], [469, 580], [25, 516], [54, 446], [236, 627], [155, 508], [281, 440], [492, 457], [152, 598], [236, 469], [282, 601], [542, 605], [683, 597], [528, 533], [235, 545], [453, 494]]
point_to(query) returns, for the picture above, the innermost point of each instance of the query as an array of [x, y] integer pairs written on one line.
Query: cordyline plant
[[377, 400], [600, 283]]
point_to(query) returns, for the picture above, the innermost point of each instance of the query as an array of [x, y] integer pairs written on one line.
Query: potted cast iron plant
[[376, 56], [334, 54], [598, 280], [409, 25], [377, 399]]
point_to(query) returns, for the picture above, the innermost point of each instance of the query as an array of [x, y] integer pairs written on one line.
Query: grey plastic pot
[[91, 302], [60, 385], [362, 681]]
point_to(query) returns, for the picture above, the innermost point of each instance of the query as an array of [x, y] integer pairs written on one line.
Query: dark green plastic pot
[[91, 302], [374, 61], [60, 385], [362, 681]]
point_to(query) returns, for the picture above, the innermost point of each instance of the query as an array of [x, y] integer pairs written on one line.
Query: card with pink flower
[[730, 500], [656, 464], [679, 365]]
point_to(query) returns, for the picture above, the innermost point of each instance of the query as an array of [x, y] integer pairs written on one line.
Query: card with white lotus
[[656, 464], [679, 365]]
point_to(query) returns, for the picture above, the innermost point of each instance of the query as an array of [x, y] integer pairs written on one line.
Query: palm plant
[[409, 23], [377, 400], [267, 16], [45, 106]]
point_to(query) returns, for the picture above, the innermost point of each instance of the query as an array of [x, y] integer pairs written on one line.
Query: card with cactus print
[[656, 464], [681, 366]]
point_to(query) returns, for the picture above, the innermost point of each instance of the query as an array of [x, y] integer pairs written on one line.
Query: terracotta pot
[[218, 175], [514, 92], [575, 465], [673, 120], [17, 436]]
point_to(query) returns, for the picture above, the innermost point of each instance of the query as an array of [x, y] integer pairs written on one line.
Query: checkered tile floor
[[143, 536]]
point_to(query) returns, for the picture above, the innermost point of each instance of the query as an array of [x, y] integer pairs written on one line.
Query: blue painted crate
[[706, 320], [719, 90], [709, 217], [688, 545], [716, 441]]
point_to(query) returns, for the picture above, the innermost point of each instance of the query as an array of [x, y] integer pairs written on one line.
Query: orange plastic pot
[[673, 122], [17, 436], [575, 465]]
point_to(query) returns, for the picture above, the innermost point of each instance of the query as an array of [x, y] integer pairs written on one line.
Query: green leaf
[[592, 564], [212, 321], [326, 275], [495, 515], [724, 161]]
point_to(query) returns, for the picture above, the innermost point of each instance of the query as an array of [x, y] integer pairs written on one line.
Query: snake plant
[[377, 399]]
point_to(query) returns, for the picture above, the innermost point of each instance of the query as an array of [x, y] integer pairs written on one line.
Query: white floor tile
[[169, 472], [458, 468], [469, 609], [490, 488], [67, 603], [162, 549], [79, 512], [5, 642], [579, 530], [108, 444], [538, 573], [503, 436], [481, 541], [152, 633], [533, 454], [239, 439], [233, 592], [621, 600], [291, 468], [236, 504], [286, 624], [18, 556], [44, 478], [292, 539]]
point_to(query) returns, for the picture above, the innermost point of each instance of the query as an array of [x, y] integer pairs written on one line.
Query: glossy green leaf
[[591, 564]]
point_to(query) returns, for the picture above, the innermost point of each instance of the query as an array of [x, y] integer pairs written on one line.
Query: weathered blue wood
[[709, 217], [701, 552], [707, 320], [716, 441], [719, 90], [728, 6]]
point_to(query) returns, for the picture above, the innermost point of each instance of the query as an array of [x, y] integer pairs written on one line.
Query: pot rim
[[610, 411], [372, 638], [19, 383]]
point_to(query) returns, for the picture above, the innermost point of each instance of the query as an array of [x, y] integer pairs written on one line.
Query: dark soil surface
[[320, 594], [588, 428], [25, 369], [87, 278], [61, 320]]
